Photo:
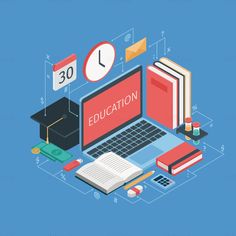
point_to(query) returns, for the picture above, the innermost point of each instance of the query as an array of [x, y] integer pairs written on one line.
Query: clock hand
[[99, 58]]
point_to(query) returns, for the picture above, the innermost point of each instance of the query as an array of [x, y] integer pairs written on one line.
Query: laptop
[[112, 120]]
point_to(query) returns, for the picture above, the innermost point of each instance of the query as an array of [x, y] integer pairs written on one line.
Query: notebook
[[179, 158], [108, 172], [162, 97], [188, 83]]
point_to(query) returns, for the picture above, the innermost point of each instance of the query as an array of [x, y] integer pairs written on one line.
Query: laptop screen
[[111, 107]]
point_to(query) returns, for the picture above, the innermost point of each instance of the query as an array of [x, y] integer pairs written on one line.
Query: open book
[[108, 172]]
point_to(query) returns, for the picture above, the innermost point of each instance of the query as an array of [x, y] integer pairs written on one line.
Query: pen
[[136, 181]]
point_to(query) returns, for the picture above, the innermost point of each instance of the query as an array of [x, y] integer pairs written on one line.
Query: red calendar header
[[64, 62]]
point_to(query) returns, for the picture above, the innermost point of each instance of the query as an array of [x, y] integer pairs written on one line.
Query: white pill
[[135, 191]]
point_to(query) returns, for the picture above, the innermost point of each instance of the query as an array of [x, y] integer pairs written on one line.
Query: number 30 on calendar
[[64, 72]]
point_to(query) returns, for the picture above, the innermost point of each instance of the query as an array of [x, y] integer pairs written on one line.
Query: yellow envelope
[[136, 49]]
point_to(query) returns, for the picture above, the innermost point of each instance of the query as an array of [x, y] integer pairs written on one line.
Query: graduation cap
[[59, 123]]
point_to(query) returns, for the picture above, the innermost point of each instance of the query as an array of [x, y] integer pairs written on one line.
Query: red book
[[179, 158], [162, 97]]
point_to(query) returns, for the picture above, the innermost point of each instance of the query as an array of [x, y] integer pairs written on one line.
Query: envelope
[[136, 49]]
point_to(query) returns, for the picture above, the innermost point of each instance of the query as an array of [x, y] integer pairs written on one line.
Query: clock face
[[99, 61]]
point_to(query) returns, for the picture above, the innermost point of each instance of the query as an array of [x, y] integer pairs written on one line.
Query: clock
[[99, 61]]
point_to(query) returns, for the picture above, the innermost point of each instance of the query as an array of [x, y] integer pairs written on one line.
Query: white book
[[180, 78], [108, 172], [188, 84]]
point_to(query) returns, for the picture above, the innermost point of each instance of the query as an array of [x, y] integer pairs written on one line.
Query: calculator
[[163, 181]]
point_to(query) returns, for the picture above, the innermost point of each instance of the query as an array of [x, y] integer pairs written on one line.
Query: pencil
[[138, 180]]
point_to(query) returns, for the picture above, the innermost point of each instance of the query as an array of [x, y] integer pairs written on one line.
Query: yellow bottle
[[188, 126]]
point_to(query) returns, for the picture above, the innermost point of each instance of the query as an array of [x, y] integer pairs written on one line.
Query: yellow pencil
[[136, 181]]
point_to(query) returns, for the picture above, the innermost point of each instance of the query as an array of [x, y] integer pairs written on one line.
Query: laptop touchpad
[[146, 156]]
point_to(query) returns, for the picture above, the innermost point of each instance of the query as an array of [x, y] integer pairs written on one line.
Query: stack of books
[[168, 93]]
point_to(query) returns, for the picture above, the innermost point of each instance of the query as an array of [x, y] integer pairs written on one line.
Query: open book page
[[99, 177], [119, 166]]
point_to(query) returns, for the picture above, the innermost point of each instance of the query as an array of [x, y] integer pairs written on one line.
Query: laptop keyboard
[[130, 140]]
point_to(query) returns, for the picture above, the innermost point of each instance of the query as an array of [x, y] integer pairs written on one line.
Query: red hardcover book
[[179, 158], [162, 97]]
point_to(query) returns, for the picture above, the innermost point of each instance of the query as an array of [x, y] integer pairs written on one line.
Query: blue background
[[202, 38]]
